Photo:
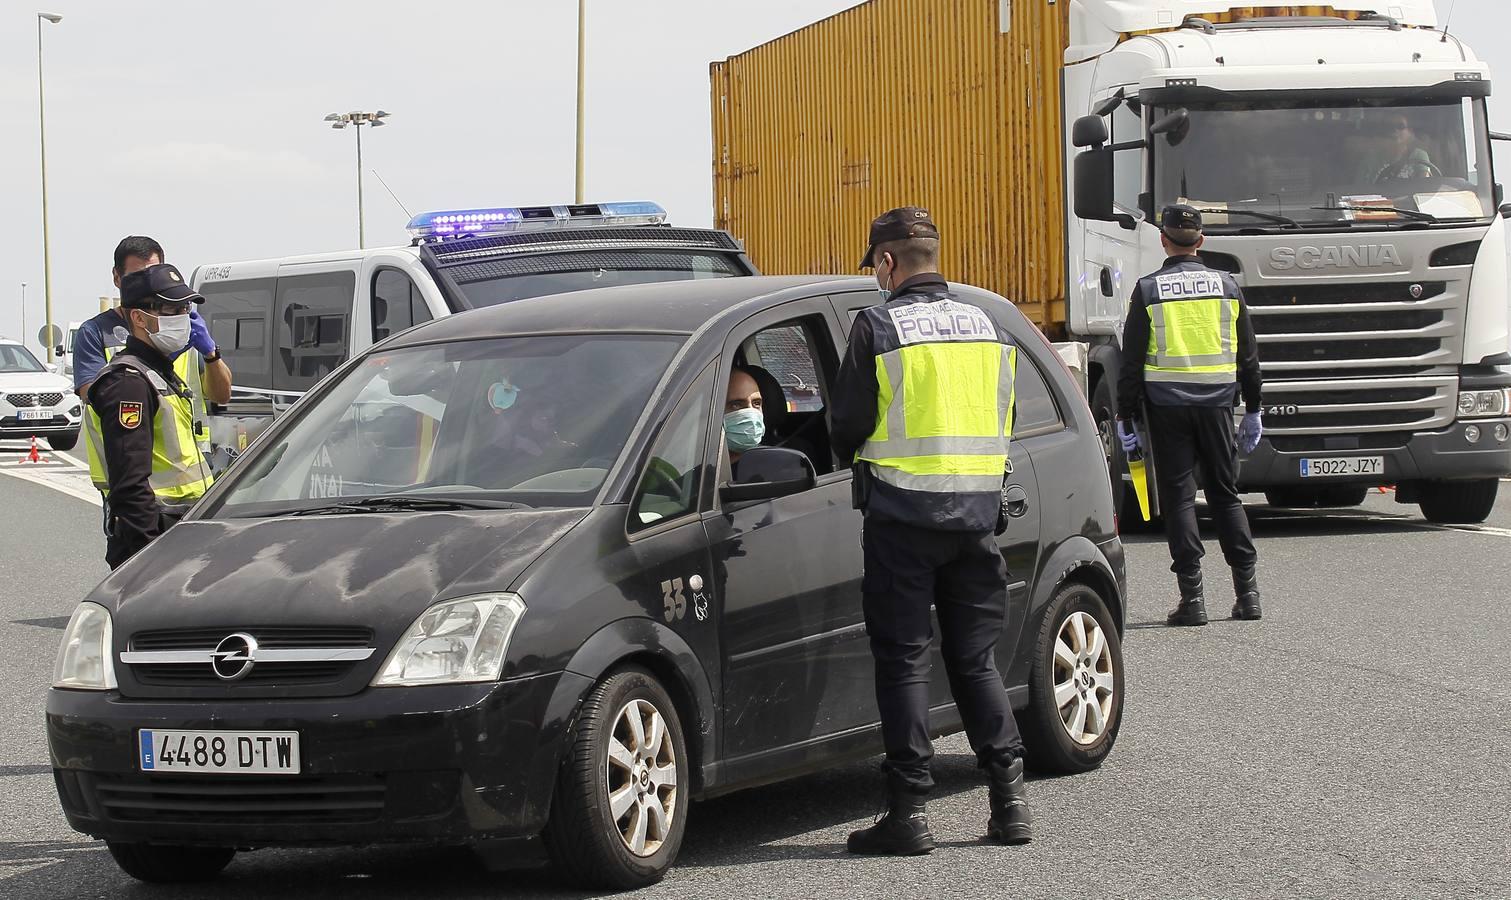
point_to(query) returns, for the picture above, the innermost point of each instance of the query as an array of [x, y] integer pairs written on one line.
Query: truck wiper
[[1268, 217], [404, 503], [1408, 213]]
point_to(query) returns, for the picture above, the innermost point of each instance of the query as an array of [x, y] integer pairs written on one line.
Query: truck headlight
[[455, 642], [84, 658], [1484, 404]]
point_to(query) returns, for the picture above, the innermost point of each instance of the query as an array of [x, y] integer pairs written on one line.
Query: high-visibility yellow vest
[[187, 368], [1193, 327], [180, 474], [944, 373]]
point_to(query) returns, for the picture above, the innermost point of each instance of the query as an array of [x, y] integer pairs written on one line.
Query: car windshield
[[1309, 163], [528, 420], [563, 273], [15, 358]]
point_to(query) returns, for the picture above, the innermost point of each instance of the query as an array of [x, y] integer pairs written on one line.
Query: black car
[[493, 580]]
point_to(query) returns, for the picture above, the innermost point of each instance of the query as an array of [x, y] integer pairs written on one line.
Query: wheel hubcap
[[1085, 685], [641, 777]]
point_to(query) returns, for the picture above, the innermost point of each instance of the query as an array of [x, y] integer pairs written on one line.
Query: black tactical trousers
[[1185, 437], [962, 575]]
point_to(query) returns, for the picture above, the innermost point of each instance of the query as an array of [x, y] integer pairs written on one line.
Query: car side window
[[669, 483], [1036, 411], [313, 314], [396, 304], [793, 363]]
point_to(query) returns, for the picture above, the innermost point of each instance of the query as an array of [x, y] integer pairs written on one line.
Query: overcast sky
[[200, 123]]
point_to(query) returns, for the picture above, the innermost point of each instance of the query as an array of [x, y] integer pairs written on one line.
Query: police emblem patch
[[130, 414]]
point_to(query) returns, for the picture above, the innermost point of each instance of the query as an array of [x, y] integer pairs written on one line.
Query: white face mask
[[172, 334]]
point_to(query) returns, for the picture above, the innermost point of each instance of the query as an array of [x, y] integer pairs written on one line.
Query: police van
[[283, 324]]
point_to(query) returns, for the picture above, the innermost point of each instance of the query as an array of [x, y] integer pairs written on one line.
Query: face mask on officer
[[744, 423], [884, 282], [172, 334]]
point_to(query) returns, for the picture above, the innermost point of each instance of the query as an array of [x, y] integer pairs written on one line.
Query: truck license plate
[[230, 752], [1334, 466], [28, 415]]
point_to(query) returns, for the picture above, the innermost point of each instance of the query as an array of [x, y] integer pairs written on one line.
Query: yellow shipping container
[[934, 103]]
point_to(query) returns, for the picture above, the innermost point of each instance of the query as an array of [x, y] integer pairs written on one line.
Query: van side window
[[396, 304], [238, 313], [313, 318]]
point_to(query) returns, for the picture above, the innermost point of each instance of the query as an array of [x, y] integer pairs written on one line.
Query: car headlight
[[455, 642], [1484, 404], [84, 658]]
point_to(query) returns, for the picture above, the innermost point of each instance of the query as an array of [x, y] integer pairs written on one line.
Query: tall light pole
[[42, 130], [23, 314], [356, 120], [582, 47]]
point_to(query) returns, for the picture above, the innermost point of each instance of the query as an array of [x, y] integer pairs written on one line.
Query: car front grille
[[28, 401], [198, 800], [263, 673]]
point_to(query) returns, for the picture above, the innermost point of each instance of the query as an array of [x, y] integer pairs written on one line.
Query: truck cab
[[284, 324], [1342, 165]]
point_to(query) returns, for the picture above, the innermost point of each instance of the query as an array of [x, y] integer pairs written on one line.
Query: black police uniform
[[924, 550], [1191, 425]]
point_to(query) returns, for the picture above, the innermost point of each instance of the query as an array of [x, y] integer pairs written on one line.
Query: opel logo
[[233, 658]]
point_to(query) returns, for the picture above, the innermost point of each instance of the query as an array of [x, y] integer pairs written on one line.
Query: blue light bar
[[449, 224]]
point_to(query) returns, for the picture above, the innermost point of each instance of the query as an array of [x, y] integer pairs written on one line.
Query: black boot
[[1193, 606], [1246, 589], [1011, 821], [903, 831]]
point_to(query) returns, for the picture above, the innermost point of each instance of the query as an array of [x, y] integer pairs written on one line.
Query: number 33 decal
[[673, 599]]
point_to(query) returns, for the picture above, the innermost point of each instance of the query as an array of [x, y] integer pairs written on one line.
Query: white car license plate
[[1334, 466], [27, 415], [230, 752]]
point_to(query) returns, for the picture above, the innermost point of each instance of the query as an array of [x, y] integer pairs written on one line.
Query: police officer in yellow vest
[[147, 462], [1188, 352], [923, 404]]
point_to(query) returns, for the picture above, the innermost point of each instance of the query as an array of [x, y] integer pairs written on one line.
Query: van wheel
[[1076, 689], [1124, 499], [1458, 502], [170, 865], [620, 809]]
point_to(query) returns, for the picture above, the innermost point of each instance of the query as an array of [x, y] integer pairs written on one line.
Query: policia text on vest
[[923, 404]]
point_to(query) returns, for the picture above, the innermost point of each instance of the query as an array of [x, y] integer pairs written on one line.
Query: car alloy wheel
[[641, 777], [1084, 681]]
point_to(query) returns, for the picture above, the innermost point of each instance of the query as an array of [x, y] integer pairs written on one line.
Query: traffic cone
[[34, 456]]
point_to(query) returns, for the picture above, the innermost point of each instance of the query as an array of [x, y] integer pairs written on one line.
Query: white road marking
[[65, 480], [1390, 519]]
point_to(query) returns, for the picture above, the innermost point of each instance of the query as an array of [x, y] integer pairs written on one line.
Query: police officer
[[930, 445], [153, 469], [1188, 351]]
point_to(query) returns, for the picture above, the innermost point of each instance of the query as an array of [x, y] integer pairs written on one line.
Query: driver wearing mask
[[744, 424], [153, 469]]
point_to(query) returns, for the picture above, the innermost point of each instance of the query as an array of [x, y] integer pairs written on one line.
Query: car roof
[[673, 307]]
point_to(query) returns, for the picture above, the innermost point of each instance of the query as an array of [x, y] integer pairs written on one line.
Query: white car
[[35, 402]]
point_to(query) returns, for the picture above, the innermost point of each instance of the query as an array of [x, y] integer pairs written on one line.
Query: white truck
[[1342, 163]]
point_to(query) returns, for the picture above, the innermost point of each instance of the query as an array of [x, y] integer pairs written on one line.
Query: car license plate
[[1335, 466], [27, 415], [229, 752]]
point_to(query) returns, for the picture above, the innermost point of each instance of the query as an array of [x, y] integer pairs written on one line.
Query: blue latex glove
[[199, 334], [1249, 432], [1128, 437]]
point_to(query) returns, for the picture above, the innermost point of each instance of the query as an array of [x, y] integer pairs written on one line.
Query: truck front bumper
[[1445, 455]]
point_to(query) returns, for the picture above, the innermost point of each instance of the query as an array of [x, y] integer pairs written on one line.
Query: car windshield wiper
[[403, 503], [1408, 213], [1268, 217]]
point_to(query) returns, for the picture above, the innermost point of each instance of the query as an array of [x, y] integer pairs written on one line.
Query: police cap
[[157, 284], [1181, 223], [900, 224]]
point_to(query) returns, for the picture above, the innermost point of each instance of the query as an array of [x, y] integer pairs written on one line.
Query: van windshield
[[532, 420], [561, 273]]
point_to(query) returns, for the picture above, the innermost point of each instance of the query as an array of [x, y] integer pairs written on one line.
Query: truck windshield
[[531, 420], [562, 273], [1327, 162]]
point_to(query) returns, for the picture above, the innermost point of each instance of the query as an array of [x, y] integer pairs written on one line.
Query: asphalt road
[[1355, 743]]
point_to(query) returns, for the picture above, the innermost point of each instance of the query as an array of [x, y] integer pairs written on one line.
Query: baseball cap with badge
[[899, 224], [1181, 223], [154, 285]]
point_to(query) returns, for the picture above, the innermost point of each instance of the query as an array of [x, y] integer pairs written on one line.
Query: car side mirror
[[1174, 125], [765, 473], [1088, 131]]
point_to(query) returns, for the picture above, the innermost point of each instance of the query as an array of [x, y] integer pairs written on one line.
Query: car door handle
[[1106, 282], [1015, 500]]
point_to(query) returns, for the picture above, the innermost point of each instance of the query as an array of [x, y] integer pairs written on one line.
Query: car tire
[[63, 441], [1076, 695], [645, 777], [1458, 502], [1343, 495], [161, 864], [1124, 498]]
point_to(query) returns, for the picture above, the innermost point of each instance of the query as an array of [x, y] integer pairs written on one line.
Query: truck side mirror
[[1505, 210], [1093, 183], [1088, 131]]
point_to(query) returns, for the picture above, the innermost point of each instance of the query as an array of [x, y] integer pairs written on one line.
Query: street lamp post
[[42, 131], [356, 120], [23, 314], [582, 46]]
